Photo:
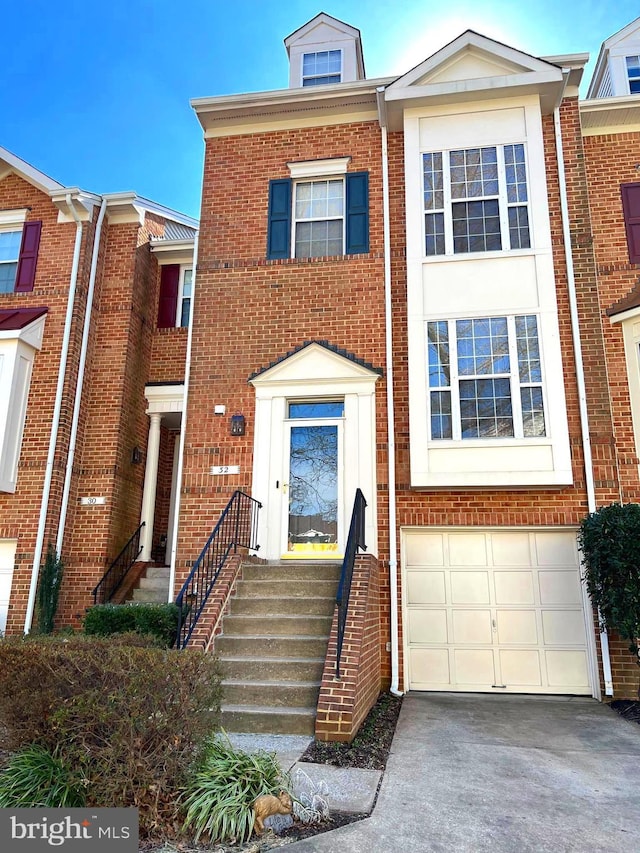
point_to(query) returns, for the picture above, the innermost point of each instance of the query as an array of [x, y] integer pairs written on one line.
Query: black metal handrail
[[237, 527], [118, 570], [355, 541]]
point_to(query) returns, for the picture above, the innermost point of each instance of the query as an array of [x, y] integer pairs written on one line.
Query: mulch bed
[[628, 709]]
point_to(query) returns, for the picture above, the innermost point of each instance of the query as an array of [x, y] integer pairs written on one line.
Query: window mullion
[[503, 206], [456, 430], [516, 400], [448, 216]]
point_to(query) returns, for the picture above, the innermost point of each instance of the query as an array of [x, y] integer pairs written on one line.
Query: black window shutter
[[357, 213], [28, 259], [631, 209], [279, 229]]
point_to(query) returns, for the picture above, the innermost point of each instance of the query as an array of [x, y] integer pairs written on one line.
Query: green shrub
[[34, 777], [610, 544], [128, 716], [219, 795], [49, 590], [160, 620]]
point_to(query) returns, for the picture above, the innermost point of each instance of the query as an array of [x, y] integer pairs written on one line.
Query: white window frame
[[630, 79], [295, 221], [304, 77], [503, 203], [184, 269], [515, 385], [13, 221]]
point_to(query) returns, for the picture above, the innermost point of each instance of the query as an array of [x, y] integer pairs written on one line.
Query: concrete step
[[260, 669], [271, 647], [275, 694], [291, 606], [292, 571], [157, 596], [247, 718], [277, 625], [286, 589], [158, 572], [154, 583]]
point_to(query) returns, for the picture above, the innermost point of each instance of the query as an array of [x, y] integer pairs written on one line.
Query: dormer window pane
[[321, 68], [633, 73]]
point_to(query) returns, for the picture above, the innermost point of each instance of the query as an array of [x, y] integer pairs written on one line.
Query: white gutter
[[183, 422], [391, 441], [57, 407], [80, 380], [577, 349]]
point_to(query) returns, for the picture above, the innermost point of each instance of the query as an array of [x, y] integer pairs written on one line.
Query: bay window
[[485, 378]]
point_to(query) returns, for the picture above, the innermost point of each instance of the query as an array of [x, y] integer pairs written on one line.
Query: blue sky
[[97, 94]]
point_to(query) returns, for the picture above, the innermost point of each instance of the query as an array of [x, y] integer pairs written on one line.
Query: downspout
[[80, 381], [391, 441], [577, 349], [183, 422], [57, 408]]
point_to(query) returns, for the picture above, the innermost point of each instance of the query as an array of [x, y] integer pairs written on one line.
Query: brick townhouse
[[422, 287]]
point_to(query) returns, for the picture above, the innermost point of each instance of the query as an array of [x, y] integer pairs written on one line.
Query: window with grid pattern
[[9, 253], [633, 74], [485, 378], [319, 218], [475, 200], [321, 68]]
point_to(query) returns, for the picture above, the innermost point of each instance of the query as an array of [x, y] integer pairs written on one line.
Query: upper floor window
[[631, 212], [485, 378], [318, 220], [176, 290], [184, 296], [322, 67], [9, 254], [319, 217], [633, 74], [475, 200]]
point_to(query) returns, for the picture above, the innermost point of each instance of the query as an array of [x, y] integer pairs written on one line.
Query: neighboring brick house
[[402, 286], [79, 341]]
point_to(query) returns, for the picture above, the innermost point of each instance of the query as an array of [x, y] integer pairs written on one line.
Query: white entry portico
[[332, 396]]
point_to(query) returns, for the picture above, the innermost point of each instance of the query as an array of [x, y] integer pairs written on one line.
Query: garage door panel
[[556, 549], [428, 626], [427, 550], [559, 587], [429, 666], [495, 610], [471, 626], [426, 587], [517, 627], [511, 549], [563, 627], [470, 587], [521, 667], [474, 666], [467, 549], [567, 668], [514, 587]]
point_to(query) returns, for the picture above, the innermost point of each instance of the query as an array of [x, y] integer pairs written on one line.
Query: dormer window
[[321, 68], [633, 74]]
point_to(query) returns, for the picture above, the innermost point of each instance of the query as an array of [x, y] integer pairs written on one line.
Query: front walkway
[[507, 774]]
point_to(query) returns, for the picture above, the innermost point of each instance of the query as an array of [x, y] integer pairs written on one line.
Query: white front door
[[494, 611], [312, 486]]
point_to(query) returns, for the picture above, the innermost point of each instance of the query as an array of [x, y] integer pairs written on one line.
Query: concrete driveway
[[502, 773]]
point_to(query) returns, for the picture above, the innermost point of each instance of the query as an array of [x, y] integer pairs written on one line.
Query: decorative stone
[[278, 823]]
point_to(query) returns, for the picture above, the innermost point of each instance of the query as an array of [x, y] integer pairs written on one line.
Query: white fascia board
[[629, 314], [500, 85], [173, 251], [168, 213], [619, 114], [82, 202], [33, 176]]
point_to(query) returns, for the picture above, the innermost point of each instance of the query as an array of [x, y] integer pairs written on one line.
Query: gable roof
[[349, 356], [10, 163], [603, 55], [321, 18]]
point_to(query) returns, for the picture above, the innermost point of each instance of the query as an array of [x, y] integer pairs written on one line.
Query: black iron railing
[[355, 542], [118, 569], [237, 527]]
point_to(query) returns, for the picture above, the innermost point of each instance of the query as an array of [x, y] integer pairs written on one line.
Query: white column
[[150, 482]]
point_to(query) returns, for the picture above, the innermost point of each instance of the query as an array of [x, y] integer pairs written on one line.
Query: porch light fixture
[[136, 455], [237, 424]]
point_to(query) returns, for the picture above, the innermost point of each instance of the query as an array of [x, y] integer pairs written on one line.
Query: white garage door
[[497, 611], [7, 561]]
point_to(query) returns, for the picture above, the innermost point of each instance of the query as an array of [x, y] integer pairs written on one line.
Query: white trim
[[321, 48], [13, 217], [29, 173], [184, 268], [319, 168]]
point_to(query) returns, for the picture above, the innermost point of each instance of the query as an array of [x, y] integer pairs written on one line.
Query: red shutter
[[631, 210], [26, 274], [168, 304]]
